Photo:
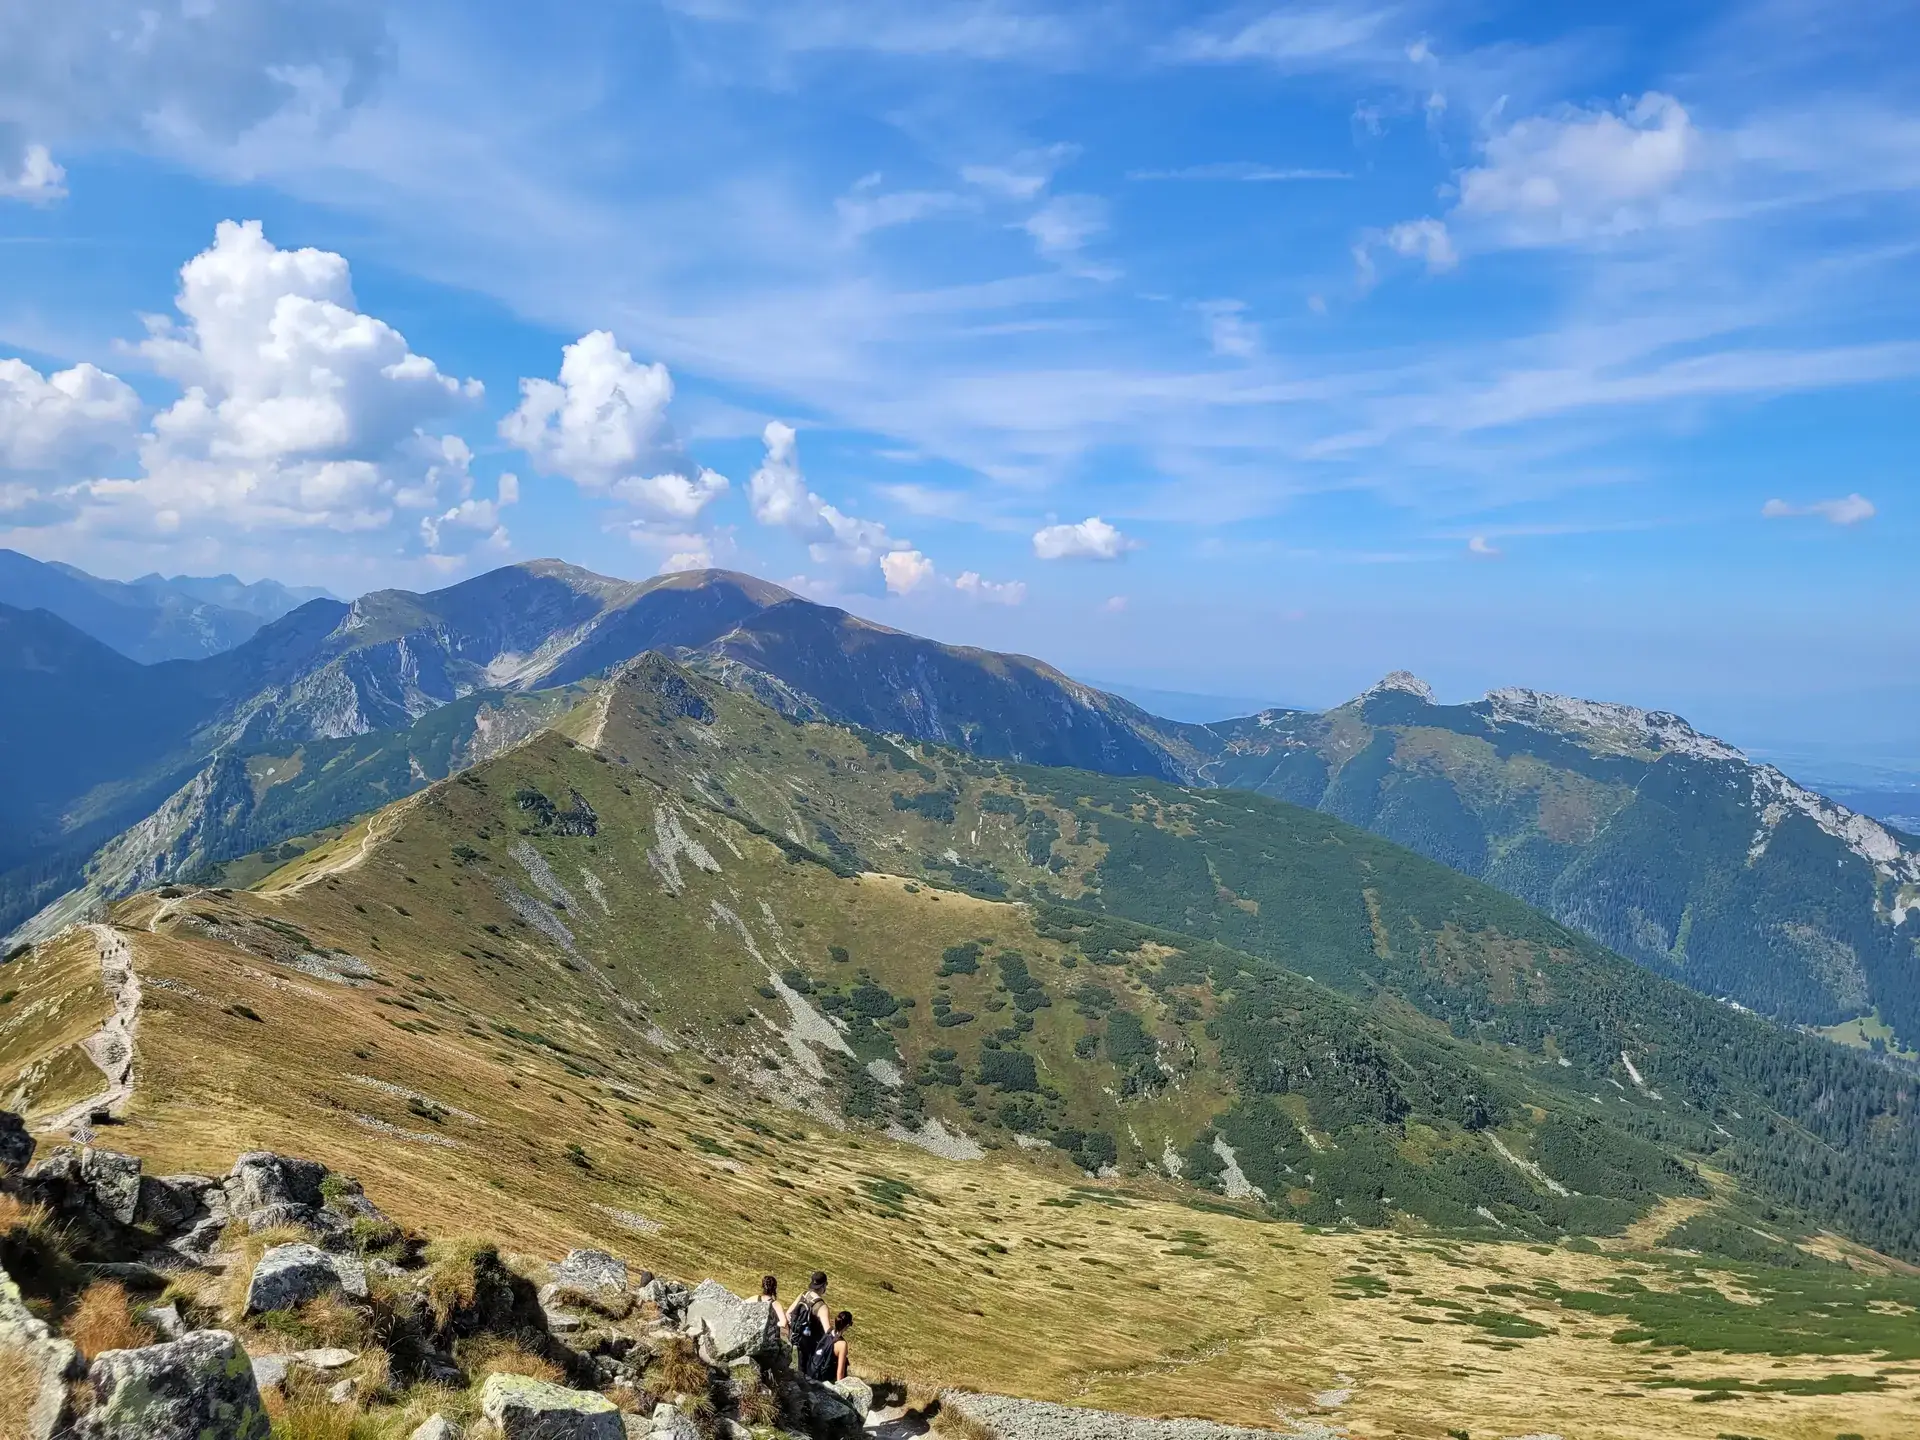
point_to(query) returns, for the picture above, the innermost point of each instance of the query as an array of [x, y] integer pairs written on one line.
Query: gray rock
[[200, 1241], [731, 1328], [260, 1178], [134, 1274], [173, 1203], [321, 1221], [189, 1389], [829, 1412], [857, 1393], [528, 1409], [670, 1423], [16, 1145], [165, 1319], [341, 1391], [290, 1275], [1040, 1420], [270, 1371], [53, 1361], [436, 1427], [598, 1278], [114, 1180]]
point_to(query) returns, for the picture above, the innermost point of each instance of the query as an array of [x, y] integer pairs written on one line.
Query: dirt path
[[111, 1047], [378, 828]]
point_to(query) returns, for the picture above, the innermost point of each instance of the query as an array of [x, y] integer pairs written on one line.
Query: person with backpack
[[770, 1297], [807, 1321], [832, 1358]]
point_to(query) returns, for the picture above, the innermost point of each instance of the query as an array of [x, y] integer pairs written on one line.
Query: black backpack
[[804, 1326], [822, 1364]]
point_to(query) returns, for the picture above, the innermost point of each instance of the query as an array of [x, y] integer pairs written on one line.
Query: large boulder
[[114, 1181], [16, 1145], [290, 1275], [596, 1278], [524, 1408], [51, 1361], [194, 1388], [174, 1203], [669, 1422], [268, 1190], [730, 1328], [98, 1189], [857, 1393]]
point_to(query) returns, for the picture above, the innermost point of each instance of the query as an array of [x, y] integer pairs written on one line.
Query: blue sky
[[1251, 349]]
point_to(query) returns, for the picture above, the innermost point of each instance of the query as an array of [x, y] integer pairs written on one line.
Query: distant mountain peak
[[1403, 682], [1608, 726]]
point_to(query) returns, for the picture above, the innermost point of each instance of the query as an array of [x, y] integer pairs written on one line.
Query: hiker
[[807, 1320], [770, 1297], [831, 1358]]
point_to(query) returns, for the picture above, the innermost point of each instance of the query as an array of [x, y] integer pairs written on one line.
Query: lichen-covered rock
[[830, 1413], [731, 1328], [857, 1393], [599, 1279], [528, 1409], [290, 1275], [195, 1388], [436, 1427], [53, 1361], [668, 1422], [165, 1319], [16, 1145], [260, 1178], [114, 1181]]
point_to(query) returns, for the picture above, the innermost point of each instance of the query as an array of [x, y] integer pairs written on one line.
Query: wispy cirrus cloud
[[1846, 510]]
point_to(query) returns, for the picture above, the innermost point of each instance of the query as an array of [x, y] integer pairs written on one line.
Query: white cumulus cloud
[[905, 571], [31, 174], [1582, 172], [995, 592], [298, 411], [53, 423], [1845, 510], [604, 426], [779, 497], [1089, 539]]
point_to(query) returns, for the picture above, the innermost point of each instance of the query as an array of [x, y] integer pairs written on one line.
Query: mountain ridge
[[1664, 843]]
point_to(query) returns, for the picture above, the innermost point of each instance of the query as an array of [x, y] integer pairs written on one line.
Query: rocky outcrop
[[619, 1336], [16, 1145], [729, 1328], [52, 1361], [194, 1388], [524, 1408], [290, 1275]]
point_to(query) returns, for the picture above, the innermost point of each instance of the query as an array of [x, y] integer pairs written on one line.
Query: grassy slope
[[1562, 1022], [1128, 1295], [1646, 853]]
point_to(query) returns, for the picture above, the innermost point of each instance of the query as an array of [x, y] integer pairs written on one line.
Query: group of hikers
[[817, 1334]]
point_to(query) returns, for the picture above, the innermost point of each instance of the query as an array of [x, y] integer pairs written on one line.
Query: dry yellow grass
[[102, 1319], [19, 1388], [1003, 1274]]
